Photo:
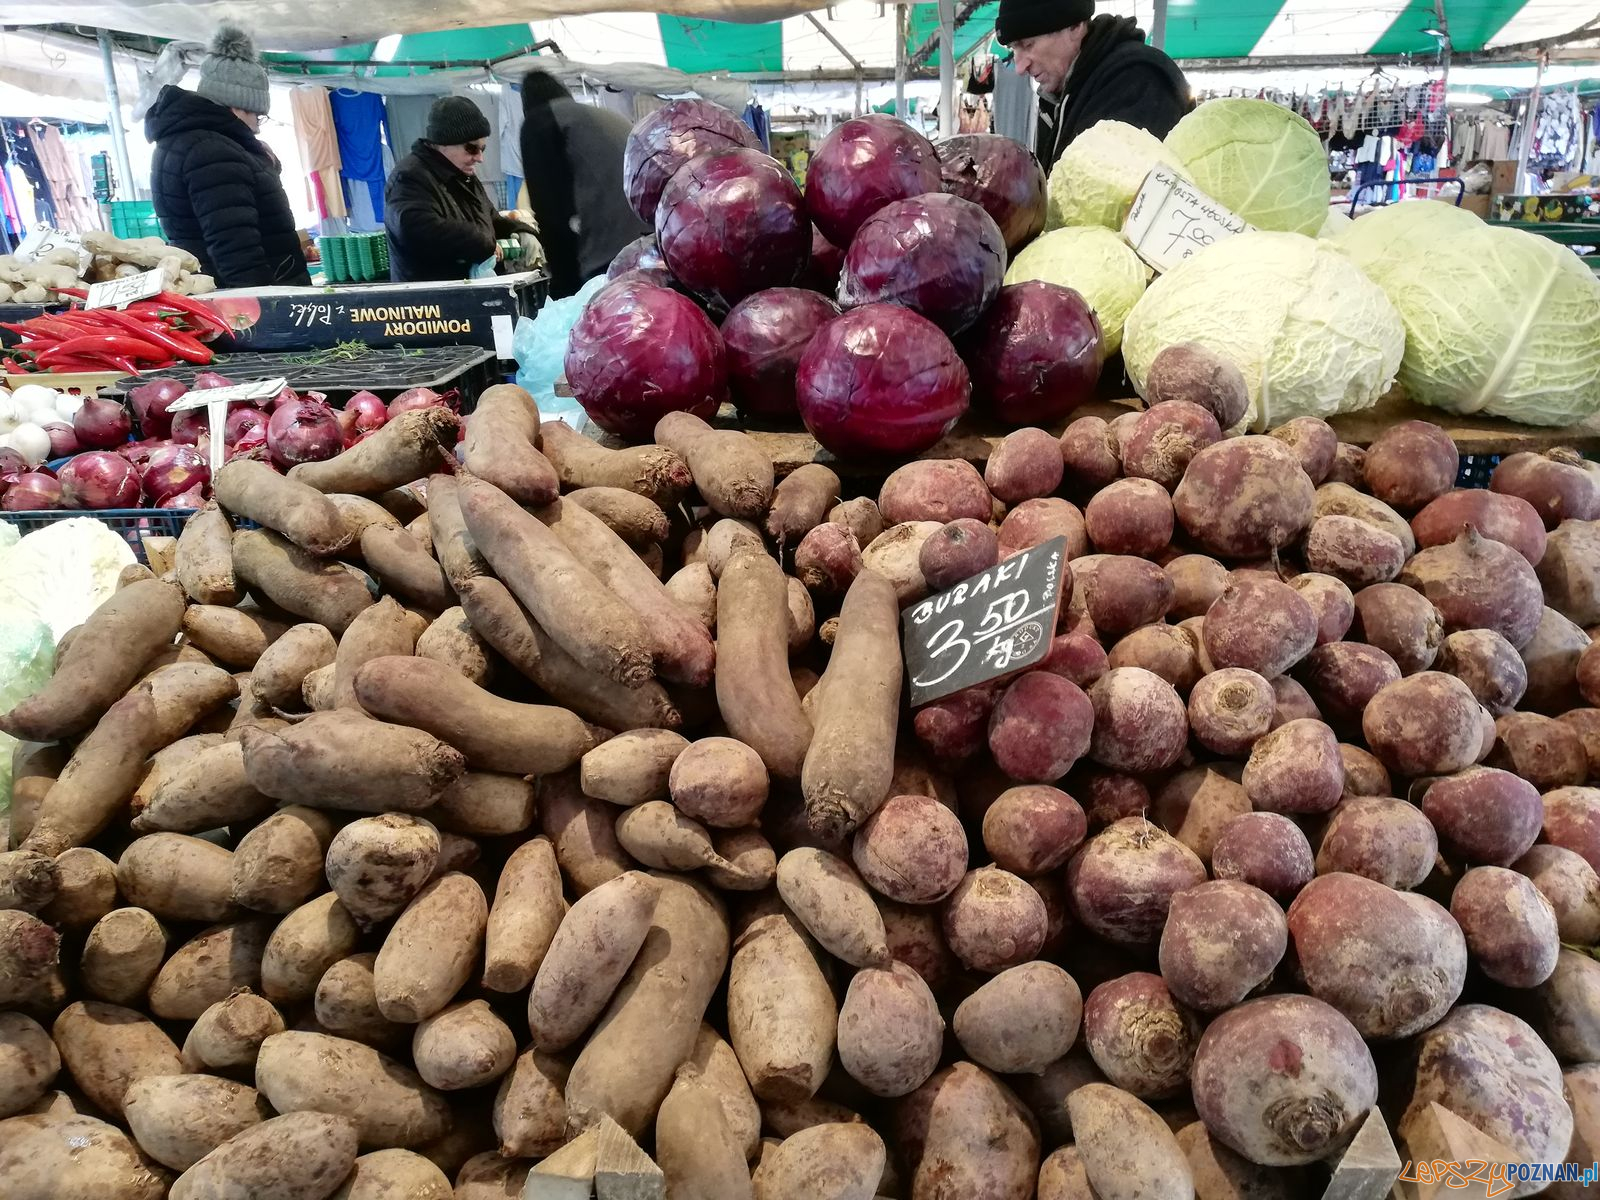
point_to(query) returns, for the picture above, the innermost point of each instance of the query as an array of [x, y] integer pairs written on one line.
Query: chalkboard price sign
[[997, 623]]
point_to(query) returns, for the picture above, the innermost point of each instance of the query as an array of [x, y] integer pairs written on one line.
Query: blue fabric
[[513, 186], [364, 199], [358, 121], [756, 117]]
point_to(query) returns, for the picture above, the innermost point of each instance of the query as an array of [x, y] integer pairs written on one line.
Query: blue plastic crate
[[129, 523]]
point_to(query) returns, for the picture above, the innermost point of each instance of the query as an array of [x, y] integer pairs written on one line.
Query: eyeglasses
[[474, 147]]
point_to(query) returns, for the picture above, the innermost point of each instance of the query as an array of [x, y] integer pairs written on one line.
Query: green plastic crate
[[134, 219]]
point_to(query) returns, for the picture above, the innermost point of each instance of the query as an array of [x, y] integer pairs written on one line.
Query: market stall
[[998, 685]]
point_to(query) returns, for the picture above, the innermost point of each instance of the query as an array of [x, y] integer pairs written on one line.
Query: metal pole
[[1525, 143], [900, 34], [947, 68], [1158, 26], [848, 57], [119, 139]]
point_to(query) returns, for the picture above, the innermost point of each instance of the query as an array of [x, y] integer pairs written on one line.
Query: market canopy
[[773, 35]]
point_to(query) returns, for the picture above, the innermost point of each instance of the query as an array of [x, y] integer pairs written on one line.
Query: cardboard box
[[1503, 176], [1477, 205], [471, 312]]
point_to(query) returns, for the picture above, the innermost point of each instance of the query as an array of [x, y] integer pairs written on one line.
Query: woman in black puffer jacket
[[215, 184]]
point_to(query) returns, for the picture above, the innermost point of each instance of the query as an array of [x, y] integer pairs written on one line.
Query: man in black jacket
[[1089, 70], [440, 222], [215, 184]]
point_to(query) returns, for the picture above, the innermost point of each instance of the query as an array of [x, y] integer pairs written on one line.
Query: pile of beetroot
[[870, 306], [1299, 798], [168, 464]]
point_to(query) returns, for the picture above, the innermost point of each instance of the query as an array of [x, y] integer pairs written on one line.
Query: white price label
[[42, 239], [1172, 220], [216, 401], [119, 293]]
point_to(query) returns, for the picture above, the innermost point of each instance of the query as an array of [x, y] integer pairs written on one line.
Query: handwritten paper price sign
[[130, 289], [1172, 220], [997, 623], [216, 401]]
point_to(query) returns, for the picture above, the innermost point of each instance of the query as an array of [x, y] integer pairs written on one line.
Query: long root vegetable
[[412, 446], [502, 446]]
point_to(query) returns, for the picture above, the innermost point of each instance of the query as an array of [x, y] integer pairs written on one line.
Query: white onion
[[68, 404], [34, 395], [8, 414], [32, 442]]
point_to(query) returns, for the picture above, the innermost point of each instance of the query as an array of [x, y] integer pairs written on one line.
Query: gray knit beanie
[[232, 74], [455, 121]]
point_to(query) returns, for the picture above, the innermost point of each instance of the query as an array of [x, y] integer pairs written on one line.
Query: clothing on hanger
[[314, 129], [62, 169], [508, 128]]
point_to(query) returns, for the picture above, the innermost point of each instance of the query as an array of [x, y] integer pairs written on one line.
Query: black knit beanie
[[1020, 19], [455, 121]]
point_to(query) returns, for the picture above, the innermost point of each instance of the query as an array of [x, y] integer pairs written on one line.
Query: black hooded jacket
[[439, 219], [1117, 77], [218, 194]]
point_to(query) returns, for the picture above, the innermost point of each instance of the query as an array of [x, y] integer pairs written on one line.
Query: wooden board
[[975, 436]]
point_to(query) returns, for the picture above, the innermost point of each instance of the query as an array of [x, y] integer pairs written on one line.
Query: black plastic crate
[[340, 374], [1476, 469], [130, 524]]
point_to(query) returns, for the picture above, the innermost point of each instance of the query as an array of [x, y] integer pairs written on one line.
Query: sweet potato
[[695, 1146], [29, 1062], [657, 835], [85, 889], [782, 1017], [411, 446], [227, 1036], [388, 1102], [501, 446], [281, 670], [844, 1161], [728, 467], [346, 1004], [278, 864], [964, 1133], [431, 949], [177, 877], [405, 568], [582, 830], [390, 1174], [52, 1156], [122, 954], [179, 1119], [1379, 838], [210, 967], [636, 519], [489, 1176], [205, 557], [1022, 1020], [757, 700], [298, 1154], [106, 1048], [860, 516], [1392, 962], [1274, 1114], [1196, 805], [801, 503], [652, 1021], [234, 637], [1509, 926], [326, 592], [530, 1111], [346, 760], [832, 902], [1125, 1150], [463, 1046], [654, 472], [913, 849], [300, 512], [728, 537]]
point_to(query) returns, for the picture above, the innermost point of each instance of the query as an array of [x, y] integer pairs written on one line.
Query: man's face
[[464, 158], [1048, 57]]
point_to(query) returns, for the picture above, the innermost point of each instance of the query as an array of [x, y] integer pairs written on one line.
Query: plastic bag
[[540, 348], [27, 656]]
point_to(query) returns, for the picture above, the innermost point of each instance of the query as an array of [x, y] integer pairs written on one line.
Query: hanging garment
[[73, 208], [1015, 106], [408, 119], [358, 127], [25, 152], [1496, 144], [313, 128], [490, 170], [508, 127], [756, 117]]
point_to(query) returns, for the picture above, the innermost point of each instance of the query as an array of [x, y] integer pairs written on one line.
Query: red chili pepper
[[80, 293], [161, 334], [107, 344], [203, 314]]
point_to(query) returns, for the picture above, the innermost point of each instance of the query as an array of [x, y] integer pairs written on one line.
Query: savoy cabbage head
[[1311, 334], [1098, 175], [1498, 321], [1262, 161]]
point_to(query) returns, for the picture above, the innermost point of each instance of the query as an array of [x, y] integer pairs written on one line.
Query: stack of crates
[[134, 219], [355, 258]]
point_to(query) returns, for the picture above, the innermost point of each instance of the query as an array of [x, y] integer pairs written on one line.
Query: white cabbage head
[[1262, 161], [1312, 335], [1094, 262], [1097, 176], [1498, 321]]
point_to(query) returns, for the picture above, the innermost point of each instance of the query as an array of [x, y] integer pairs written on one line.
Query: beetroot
[[1349, 466], [1314, 443], [1294, 702], [912, 850], [1130, 516], [1139, 1037], [1551, 659], [1343, 676], [1210, 973], [1164, 440], [1035, 355], [1484, 815], [913, 936], [1261, 625], [1572, 821], [1392, 962], [1510, 928], [1570, 571], [1230, 710], [1571, 886], [1547, 753], [1351, 550], [1425, 724], [1140, 723], [1337, 499], [1379, 838], [1265, 850], [940, 489], [1330, 600], [1488, 664], [1109, 796], [1455, 578], [1090, 455], [1587, 674], [1508, 519], [1557, 484], [1125, 593], [1123, 879], [1197, 581], [1364, 775], [958, 550], [1077, 657], [1034, 522], [1295, 769], [1033, 829], [1283, 1080], [1188, 371], [1040, 727], [1400, 621], [1245, 497], [1025, 465], [1410, 464], [994, 920], [1169, 651]]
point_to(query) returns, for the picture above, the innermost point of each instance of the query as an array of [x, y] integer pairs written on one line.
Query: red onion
[[99, 479], [241, 420], [104, 424], [150, 403], [189, 424], [138, 453], [193, 498], [31, 491], [273, 403], [362, 414], [251, 444], [415, 398], [174, 469], [207, 380], [304, 431], [63, 441], [11, 463]]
